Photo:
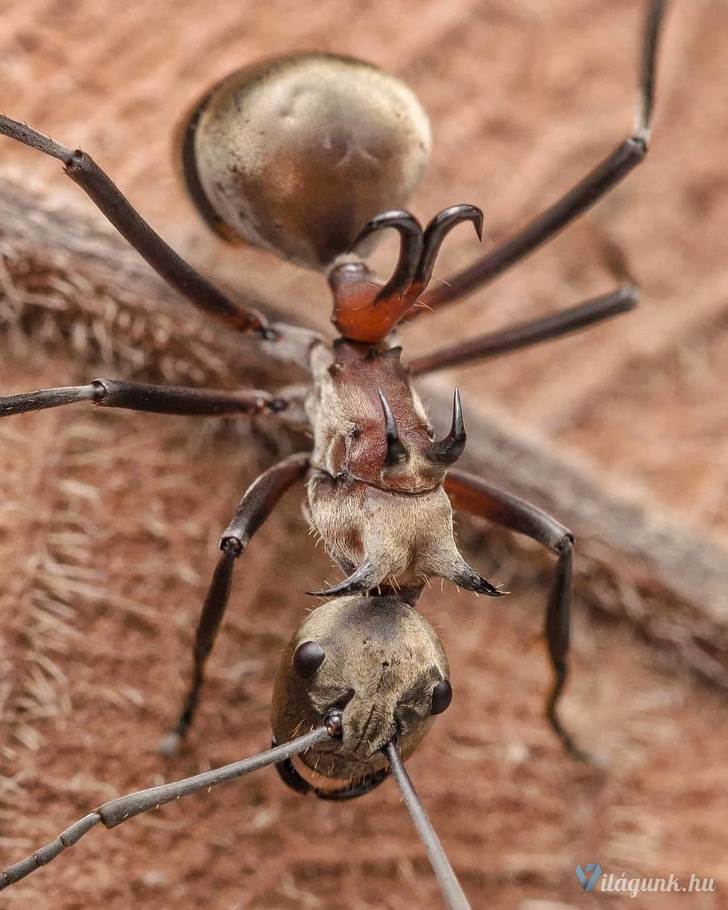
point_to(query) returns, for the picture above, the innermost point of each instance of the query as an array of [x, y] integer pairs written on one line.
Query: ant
[[294, 154]]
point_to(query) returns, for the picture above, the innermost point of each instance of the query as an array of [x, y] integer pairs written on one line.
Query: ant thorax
[[375, 493]]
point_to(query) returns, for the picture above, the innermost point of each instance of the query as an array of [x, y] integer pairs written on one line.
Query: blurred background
[[109, 521]]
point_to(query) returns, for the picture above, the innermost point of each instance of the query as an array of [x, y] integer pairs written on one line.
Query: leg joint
[[640, 143], [565, 543], [232, 545], [78, 162], [100, 390], [276, 405]]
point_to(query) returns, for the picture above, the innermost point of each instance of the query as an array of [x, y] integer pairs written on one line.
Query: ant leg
[[577, 200], [83, 170], [256, 505], [525, 334], [472, 495], [134, 396]]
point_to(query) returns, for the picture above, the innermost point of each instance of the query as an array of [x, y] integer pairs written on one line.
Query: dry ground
[[108, 522]]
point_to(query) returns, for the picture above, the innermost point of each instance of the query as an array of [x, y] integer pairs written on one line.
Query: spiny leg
[[577, 200], [135, 396], [116, 811], [84, 171], [472, 495], [526, 334], [256, 505]]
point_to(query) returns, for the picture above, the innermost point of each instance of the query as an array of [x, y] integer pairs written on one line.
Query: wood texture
[[108, 523]]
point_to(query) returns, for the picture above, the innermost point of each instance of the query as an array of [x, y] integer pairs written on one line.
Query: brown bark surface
[[109, 521]]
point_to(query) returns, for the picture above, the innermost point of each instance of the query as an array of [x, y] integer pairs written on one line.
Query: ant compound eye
[[441, 697], [308, 658]]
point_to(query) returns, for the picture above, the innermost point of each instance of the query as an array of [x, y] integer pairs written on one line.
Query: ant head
[[372, 668], [296, 153]]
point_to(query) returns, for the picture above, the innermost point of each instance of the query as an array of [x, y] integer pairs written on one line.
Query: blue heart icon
[[588, 875]]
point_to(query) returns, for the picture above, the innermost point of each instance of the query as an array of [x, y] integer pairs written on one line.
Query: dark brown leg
[[577, 200], [475, 496], [134, 396], [82, 169], [256, 505], [525, 334]]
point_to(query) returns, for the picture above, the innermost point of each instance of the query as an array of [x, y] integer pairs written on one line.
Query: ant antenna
[[449, 885], [118, 810]]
